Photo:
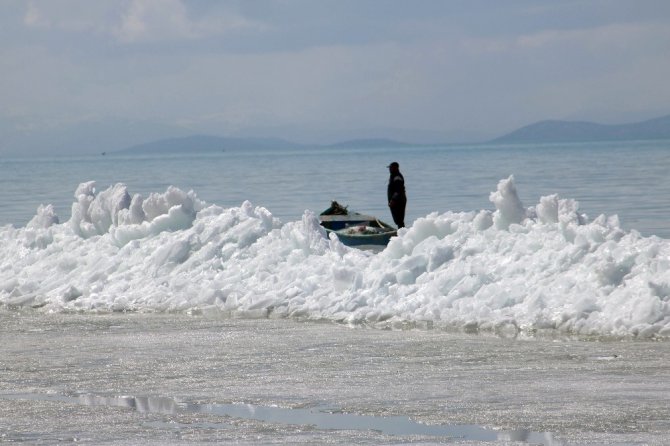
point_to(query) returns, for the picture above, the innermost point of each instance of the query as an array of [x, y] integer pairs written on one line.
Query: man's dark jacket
[[396, 188], [397, 198]]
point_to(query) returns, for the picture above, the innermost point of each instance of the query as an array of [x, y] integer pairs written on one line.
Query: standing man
[[396, 194]]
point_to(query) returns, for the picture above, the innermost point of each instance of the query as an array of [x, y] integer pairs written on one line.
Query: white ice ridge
[[515, 269]]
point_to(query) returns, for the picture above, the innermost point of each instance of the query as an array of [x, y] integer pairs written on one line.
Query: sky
[[105, 74]]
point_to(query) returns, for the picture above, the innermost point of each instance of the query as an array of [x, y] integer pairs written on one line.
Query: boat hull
[[368, 239], [354, 229]]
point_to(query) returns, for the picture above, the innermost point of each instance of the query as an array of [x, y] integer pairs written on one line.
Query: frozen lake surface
[[179, 379]]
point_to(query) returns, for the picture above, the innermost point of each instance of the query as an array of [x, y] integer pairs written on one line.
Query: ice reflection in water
[[320, 417], [139, 403]]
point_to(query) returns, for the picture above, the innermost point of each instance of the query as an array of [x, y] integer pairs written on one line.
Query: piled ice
[[515, 269]]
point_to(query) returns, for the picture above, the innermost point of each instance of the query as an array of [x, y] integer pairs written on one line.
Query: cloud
[[623, 36], [634, 37], [167, 20], [136, 21], [68, 15], [34, 17]]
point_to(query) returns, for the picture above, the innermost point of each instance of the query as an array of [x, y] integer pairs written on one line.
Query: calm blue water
[[629, 179]]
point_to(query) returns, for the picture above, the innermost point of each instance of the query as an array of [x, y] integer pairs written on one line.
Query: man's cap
[[393, 164]]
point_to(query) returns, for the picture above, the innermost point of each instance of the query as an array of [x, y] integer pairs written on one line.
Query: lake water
[[628, 179]]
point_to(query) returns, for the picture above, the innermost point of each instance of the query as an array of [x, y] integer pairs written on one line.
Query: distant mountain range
[[209, 143], [577, 131], [371, 143], [540, 132]]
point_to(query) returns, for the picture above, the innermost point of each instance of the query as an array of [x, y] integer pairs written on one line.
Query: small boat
[[354, 229]]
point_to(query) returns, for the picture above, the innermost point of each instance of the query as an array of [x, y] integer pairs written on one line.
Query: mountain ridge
[[584, 131], [211, 143], [206, 143], [547, 131]]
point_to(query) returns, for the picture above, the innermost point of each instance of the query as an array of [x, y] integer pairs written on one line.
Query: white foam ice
[[514, 269]]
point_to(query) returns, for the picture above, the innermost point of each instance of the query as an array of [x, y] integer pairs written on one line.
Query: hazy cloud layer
[[328, 70]]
